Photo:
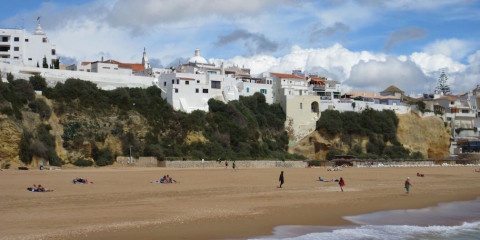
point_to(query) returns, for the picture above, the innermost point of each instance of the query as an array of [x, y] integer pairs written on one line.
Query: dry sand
[[211, 203]]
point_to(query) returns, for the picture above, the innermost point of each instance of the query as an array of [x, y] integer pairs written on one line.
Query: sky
[[367, 45]]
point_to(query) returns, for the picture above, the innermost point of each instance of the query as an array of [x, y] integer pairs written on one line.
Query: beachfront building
[[19, 47]]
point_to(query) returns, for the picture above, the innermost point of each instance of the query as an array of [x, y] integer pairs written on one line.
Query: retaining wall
[[239, 164]]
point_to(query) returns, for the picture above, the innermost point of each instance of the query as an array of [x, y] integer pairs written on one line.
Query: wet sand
[[211, 203]]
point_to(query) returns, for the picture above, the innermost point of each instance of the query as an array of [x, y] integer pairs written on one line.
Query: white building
[[190, 86], [19, 47], [115, 67]]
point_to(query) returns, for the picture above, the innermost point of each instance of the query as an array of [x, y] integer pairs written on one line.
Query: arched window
[[314, 107]]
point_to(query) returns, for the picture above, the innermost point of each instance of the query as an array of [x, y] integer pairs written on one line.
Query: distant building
[[115, 67], [19, 47]]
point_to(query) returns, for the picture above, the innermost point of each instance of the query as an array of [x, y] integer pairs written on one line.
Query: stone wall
[[139, 162], [239, 164]]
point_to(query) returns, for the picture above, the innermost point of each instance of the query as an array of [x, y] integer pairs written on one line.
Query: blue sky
[[366, 44]]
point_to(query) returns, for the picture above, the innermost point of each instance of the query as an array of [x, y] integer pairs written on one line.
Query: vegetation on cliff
[[380, 127], [143, 123]]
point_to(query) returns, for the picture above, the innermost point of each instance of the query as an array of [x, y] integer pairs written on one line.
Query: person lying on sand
[[420, 175], [38, 188], [80, 181], [321, 179]]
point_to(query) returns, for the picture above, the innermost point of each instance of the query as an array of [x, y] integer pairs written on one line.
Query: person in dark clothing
[[281, 179], [341, 183]]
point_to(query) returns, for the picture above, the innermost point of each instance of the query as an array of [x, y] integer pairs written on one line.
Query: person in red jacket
[[341, 183]]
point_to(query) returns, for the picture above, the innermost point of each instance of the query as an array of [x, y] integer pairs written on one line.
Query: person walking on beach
[[407, 185], [341, 183], [281, 179], [226, 164], [203, 163], [233, 166]]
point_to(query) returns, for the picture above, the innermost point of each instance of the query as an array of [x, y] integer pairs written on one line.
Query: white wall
[[104, 81], [249, 88]]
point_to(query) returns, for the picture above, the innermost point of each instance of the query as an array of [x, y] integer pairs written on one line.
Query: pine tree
[[442, 85]]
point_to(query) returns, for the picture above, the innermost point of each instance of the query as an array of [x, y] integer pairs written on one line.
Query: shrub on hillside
[[83, 163]]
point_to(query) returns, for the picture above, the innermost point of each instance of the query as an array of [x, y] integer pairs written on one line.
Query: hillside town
[[188, 87]]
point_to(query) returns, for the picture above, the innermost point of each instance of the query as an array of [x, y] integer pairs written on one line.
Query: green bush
[[83, 163], [40, 106], [38, 82]]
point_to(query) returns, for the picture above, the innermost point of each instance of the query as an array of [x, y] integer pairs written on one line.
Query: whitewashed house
[[19, 47]]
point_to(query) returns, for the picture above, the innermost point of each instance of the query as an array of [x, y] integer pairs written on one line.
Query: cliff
[[427, 135]]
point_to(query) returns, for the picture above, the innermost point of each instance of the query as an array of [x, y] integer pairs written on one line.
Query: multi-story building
[[19, 47]]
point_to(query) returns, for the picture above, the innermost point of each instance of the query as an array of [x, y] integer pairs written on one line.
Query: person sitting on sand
[[420, 175]]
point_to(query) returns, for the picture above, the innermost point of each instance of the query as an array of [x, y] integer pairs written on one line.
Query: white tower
[[145, 62]]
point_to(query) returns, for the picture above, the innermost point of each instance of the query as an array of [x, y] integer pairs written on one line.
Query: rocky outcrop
[[10, 136], [427, 135]]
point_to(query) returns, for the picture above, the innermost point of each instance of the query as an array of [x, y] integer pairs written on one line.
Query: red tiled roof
[[289, 76], [134, 66], [85, 63], [318, 80]]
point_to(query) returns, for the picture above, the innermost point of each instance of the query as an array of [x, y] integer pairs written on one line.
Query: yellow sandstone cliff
[[427, 135]]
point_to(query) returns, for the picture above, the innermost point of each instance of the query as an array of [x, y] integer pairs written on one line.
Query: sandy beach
[[122, 203]]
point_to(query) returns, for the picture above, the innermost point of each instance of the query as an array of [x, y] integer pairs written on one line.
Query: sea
[[452, 221]]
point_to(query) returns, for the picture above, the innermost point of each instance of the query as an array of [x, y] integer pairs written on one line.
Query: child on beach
[[341, 183], [407, 185]]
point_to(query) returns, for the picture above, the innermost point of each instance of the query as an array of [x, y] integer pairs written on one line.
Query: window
[[301, 105], [290, 82], [205, 90], [164, 84], [53, 51], [198, 81], [26, 39], [4, 39], [44, 40], [176, 90], [178, 81], [248, 90], [264, 91], [15, 57], [196, 90], [187, 83], [211, 72], [173, 81], [16, 39], [216, 84], [16, 49], [106, 67]]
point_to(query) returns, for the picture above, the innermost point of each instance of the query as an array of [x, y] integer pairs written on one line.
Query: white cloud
[[454, 48], [375, 76], [368, 71], [335, 61], [433, 63]]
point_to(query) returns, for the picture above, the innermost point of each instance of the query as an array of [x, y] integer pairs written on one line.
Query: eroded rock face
[[426, 135], [10, 136]]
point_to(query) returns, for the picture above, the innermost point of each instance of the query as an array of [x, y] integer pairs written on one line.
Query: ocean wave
[[467, 230]]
